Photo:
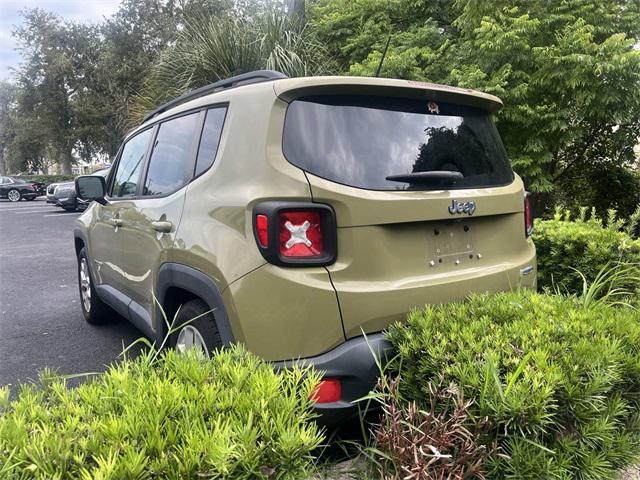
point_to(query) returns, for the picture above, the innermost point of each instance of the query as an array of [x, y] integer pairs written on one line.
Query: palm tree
[[212, 49]]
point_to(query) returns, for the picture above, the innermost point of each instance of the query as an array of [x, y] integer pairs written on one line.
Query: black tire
[[98, 311], [11, 193], [204, 323], [73, 208]]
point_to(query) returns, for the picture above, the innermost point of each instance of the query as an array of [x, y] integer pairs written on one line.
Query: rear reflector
[[262, 227], [328, 391], [300, 234], [528, 215]]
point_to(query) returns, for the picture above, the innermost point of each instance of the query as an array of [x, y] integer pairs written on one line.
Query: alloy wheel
[[85, 285], [14, 195], [189, 337]]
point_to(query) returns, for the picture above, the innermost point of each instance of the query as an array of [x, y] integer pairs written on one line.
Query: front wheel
[[94, 310], [195, 327], [14, 195]]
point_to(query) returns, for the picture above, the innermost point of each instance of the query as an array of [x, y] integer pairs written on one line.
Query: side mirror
[[91, 187]]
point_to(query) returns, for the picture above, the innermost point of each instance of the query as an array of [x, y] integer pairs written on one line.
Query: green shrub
[[178, 417], [558, 383], [569, 250], [48, 179]]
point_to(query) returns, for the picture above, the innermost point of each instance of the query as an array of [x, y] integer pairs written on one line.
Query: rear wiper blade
[[443, 176]]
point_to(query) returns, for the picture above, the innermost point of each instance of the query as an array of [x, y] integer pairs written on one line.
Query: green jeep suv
[[296, 215]]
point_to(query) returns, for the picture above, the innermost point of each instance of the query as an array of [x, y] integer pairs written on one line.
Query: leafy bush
[[48, 179], [570, 251], [176, 417], [557, 382]]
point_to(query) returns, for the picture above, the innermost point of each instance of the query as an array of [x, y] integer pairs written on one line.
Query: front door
[[106, 232]]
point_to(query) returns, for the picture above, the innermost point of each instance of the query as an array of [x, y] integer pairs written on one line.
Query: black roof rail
[[244, 79]]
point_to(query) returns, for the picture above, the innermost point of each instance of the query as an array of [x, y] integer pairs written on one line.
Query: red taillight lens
[[528, 215], [300, 234], [295, 234], [328, 391], [262, 228]]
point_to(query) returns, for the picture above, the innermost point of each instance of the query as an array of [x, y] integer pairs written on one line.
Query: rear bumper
[[355, 363]]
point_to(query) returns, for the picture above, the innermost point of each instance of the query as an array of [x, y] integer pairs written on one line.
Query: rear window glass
[[360, 140]]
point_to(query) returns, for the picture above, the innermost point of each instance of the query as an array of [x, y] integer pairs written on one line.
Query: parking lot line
[[60, 214], [34, 211], [29, 207]]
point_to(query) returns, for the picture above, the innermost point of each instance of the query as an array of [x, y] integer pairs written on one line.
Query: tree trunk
[[3, 163], [67, 160], [296, 9]]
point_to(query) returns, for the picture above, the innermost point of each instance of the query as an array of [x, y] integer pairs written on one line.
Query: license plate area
[[452, 241]]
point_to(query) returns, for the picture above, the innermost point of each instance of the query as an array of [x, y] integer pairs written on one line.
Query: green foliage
[[48, 179], [567, 72], [556, 382], [180, 416], [215, 48], [572, 251]]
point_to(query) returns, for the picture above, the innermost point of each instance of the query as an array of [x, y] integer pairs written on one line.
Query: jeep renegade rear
[[294, 215]]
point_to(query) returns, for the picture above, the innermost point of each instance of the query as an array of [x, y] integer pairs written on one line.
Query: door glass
[[125, 182], [171, 164], [210, 139]]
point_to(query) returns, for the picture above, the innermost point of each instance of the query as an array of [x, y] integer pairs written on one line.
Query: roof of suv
[[290, 88]]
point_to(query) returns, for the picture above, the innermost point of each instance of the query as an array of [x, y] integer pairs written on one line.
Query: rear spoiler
[[292, 88]]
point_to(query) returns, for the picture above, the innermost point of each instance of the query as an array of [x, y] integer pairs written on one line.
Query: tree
[[7, 121], [567, 71], [220, 47]]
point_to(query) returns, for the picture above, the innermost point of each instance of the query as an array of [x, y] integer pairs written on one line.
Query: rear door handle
[[162, 226]]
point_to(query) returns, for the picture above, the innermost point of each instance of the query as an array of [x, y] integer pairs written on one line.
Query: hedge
[[47, 179], [569, 249], [181, 416], [555, 385]]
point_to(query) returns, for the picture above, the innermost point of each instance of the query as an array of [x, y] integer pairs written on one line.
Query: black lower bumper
[[355, 364]]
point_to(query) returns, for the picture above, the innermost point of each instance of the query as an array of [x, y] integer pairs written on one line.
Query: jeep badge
[[457, 207]]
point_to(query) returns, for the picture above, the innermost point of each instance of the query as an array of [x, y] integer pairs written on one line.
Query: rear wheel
[[14, 195], [195, 327], [94, 310]]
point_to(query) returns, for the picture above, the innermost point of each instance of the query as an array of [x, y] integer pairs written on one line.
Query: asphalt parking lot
[[41, 323]]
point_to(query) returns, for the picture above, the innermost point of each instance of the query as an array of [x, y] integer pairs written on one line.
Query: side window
[[210, 138], [4, 180], [171, 164], [125, 182]]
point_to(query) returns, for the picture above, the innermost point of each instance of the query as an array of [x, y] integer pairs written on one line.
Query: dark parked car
[[40, 187], [16, 189], [63, 194]]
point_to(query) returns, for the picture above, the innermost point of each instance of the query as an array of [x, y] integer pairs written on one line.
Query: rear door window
[[171, 163], [361, 140]]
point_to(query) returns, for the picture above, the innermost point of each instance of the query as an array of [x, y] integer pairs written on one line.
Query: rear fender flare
[[198, 283]]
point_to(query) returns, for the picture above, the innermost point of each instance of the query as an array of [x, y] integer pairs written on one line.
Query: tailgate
[[399, 252], [427, 206]]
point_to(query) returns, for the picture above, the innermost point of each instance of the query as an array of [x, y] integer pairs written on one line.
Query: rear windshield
[[360, 140]]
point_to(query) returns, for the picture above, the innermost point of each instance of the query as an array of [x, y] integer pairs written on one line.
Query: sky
[[87, 11]]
